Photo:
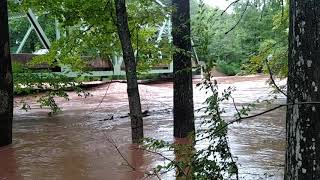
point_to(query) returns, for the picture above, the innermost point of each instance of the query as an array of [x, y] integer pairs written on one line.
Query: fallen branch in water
[[145, 113]]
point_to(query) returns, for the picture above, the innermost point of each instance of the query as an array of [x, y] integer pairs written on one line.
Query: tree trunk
[[6, 85], [131, 74], [182, 70], [303, 121]]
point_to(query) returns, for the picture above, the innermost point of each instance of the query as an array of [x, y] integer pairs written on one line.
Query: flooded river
[[73, 145]]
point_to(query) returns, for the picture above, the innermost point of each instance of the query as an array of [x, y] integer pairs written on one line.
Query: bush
[[229, 69]]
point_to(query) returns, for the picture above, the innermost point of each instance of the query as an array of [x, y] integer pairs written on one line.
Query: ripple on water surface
[[73, 144]]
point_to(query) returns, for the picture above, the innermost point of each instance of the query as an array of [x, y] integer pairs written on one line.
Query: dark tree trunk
[[130, 63], [303, 121], [6, 85], [182, 69]]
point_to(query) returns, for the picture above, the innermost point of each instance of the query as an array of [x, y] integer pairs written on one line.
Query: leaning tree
[[303, 115], [6, 85], [131, 72]]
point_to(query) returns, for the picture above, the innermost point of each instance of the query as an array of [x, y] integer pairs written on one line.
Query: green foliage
[[203, 29], [275, 48], [19, 26], [87, 34], [228, 69], [211, 161], [48, 100], [148, 76], [216, 159], [213, 45], [259, 22], [95, 34], [27, 81]]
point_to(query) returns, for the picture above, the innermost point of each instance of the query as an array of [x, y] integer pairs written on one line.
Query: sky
[[222, 4]]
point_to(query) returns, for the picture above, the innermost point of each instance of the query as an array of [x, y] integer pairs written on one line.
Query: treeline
[[237, 41]]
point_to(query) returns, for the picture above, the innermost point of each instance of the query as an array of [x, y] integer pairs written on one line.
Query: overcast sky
[[222, 4]]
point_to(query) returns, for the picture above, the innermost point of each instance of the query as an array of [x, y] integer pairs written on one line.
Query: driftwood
[[145, 113]]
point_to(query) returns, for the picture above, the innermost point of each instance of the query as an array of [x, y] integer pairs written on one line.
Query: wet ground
[[75, 144]]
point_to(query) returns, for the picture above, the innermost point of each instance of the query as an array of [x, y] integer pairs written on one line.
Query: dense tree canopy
[[236, 41], [96, 35]]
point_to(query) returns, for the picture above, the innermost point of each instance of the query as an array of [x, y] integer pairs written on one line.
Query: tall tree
[[303, 121], [6, 86], [131, 73], [182, 69]]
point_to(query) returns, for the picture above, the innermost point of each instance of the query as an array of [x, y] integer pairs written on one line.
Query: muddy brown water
[[73, 144]]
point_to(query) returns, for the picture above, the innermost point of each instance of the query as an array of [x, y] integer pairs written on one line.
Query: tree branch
[[258, 114], [242, 14], [111, 141], [101, 101], [235, 107], [273, 81], [234, 2]]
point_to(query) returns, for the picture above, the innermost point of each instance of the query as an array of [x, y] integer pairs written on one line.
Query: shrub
[[229, 69]]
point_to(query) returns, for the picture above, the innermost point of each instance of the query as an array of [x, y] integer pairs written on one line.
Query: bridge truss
[[117, 61]]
